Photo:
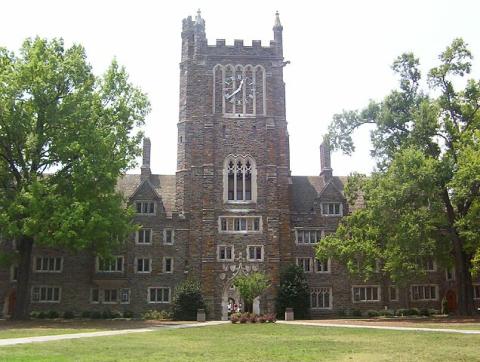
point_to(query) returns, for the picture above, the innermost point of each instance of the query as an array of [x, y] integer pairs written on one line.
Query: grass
[[33, 332], [261, 342]]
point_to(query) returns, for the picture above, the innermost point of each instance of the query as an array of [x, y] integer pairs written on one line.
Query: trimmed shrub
[[433, 311], [253, 318], [115, 314], [34, 314], [106, 314], [42, 315], [86, 314], [293, 292], [372, 313], [356, 313], [52, 314], [243, 318], [68, 314], [156, 315], [341, 313], [387, 313], [127, 314], [413, 311], [271, 318], [234, 318], [402, 312], [425, 312], [96, 315], [188, 299], [261, 319]]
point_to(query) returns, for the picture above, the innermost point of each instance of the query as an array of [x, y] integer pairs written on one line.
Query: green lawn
[[32, 332], [271, 342]]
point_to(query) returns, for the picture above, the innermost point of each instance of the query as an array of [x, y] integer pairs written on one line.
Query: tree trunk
[[466, 305], [24, 266]]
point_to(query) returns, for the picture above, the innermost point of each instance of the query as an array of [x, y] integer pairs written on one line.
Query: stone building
[[231, 208]]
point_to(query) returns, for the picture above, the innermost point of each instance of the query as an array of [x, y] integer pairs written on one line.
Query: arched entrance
[[451, 300], [10, 303]]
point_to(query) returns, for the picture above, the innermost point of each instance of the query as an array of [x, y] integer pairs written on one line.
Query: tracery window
[[240, 178]]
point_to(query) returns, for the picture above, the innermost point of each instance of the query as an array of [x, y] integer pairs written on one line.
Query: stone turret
[[278, 34], [325, 162], [145, 171]]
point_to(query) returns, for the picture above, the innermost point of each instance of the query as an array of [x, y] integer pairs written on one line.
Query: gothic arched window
[[240, 179]]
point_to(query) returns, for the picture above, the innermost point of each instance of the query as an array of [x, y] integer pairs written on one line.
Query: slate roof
[[164, 185], [305, 189]]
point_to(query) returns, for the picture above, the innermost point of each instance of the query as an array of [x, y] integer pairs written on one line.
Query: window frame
[[320, 233], [315, 266], [172, 237], [232, 252], [429, 285], [366, 300], [137, 236], [330, 298], [97, 265], [146, 213], [253, 180], [149, 301], [397, 293], [42, 262], [262, 253], [329, 214], [303, 264], [164, 264], [32, 299], [249, 221], [143, 264]]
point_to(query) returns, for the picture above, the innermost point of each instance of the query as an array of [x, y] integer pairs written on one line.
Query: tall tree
[[65, 138], [251, 286], [424, 200]]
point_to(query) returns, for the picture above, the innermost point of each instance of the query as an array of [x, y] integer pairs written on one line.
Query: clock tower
[[233, 168]]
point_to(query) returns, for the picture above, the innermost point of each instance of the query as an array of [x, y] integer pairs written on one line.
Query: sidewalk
[[23, 340], [415, 329]]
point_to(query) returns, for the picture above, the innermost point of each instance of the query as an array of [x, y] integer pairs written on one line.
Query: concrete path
[[13, 341], [415, 329]]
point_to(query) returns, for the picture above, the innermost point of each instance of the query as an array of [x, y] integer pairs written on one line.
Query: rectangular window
[[322, 266], [159, 295], [14, 273], [145, 207], [225, 253], [240, 224], [369, 293], [168, 265], [321, 298], [255, 252], [124, 296], [143, 265], [144, 236], [94, 295], [110, 265], [476, 291], [46, 294], [110, 295], [332, 208], [48, 264], [393, 294], [450, 274], [168, 236], [305, 264], [307, 236], [424, 292]]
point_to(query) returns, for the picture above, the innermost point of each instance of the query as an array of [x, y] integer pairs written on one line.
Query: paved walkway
[[415, 329], [13, 341]]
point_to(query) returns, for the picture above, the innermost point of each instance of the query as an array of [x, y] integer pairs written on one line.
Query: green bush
[[156, 315], [86, 314], [106, 314], [68, 314], [115, 314], [372, 313], [188, 299], [34, 314], [413, 311], [52, 314], [127, 314], [433, 311], [96, 314], [402, 312], [356, 313], [341, 313], [293, 292], [386, 313], [42, 315], [425, 312]]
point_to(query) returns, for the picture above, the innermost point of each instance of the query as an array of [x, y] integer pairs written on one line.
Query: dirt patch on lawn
[[440, 321], [85, 324]]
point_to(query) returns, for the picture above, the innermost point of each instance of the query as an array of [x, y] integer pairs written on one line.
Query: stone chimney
[[325, 162], [145, 171]]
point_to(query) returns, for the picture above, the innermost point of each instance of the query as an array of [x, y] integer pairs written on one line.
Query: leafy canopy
[[66, 136]]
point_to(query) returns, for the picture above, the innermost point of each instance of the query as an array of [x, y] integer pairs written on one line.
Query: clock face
[[239, 89]]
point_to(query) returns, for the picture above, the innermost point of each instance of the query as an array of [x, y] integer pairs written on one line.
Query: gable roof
[[162, 185]]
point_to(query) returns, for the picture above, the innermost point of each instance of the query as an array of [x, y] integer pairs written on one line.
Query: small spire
[[278, 24], [198, 18]]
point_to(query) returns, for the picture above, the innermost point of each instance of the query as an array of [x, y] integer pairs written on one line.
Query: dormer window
[[332, 208], [145, 207], [240, 180]]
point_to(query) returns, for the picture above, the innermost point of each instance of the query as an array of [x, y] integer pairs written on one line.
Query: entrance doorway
[[451, 300], [10, 305]]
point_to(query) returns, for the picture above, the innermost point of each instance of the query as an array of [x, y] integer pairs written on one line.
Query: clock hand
[[236, 91]]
